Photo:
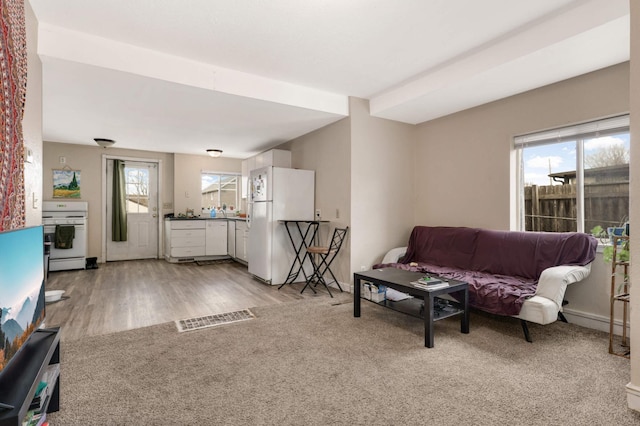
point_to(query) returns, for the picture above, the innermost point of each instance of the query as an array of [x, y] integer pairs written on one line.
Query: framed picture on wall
[[66, 183]]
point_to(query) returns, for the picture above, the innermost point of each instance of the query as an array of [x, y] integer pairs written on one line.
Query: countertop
[[206, 218]]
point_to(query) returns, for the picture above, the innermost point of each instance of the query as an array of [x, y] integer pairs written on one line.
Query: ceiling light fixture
[[214, 152], [105, 143]]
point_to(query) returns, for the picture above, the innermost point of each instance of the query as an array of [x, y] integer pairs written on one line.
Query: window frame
[[238, 177], [577, 133]]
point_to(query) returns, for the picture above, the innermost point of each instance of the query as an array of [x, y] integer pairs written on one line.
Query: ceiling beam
[[60, 43], [546, 33]]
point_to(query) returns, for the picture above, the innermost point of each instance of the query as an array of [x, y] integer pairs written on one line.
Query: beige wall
[[634, 385], [88, 159], [188, 180], [464, 162], [363, 175], [32, 124], [327, 151], [383, 188], [469, 163]]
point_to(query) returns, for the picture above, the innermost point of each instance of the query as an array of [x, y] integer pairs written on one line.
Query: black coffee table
[[400, 280]]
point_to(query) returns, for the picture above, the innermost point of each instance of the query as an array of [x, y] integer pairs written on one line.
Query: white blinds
[[589, 130]]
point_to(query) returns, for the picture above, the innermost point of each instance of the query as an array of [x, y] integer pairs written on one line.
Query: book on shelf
[[42, 392], [421, 285]]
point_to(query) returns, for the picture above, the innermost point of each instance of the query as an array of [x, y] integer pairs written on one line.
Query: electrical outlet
[[62, 159], [363, 268], [318, 214]]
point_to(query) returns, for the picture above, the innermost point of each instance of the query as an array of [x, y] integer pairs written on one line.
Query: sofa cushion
[[527, 254], [519, 254], [442, 245]]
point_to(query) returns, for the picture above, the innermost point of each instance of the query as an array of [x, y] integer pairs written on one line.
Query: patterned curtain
[[13, 86]]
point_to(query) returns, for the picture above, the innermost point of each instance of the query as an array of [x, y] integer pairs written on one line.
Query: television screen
[[21, 288]]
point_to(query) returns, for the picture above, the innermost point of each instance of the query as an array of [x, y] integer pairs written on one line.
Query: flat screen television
[[22, 303]]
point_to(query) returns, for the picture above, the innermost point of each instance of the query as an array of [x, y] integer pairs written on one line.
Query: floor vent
[[213, 262], [213, 320]]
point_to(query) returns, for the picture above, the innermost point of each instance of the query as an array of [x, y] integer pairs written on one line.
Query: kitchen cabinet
[[273, 157], [242, 237], [231, 238], [184, 239], [195, 239], [247, 165], [216, 237]]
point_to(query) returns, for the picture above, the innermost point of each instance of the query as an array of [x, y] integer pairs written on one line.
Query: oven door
[[78, 248]]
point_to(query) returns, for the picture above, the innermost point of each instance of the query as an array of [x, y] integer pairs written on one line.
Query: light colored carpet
[[312, 363]]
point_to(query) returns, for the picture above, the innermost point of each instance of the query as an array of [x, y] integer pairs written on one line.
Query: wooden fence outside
[[553, 208]]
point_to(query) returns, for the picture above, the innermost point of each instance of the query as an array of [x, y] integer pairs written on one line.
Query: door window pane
[[137, 188]]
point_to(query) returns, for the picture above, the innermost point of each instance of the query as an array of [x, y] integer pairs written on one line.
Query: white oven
[[66, 214]]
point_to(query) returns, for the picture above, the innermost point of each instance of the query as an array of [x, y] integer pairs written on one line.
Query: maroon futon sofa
[[520, 274]]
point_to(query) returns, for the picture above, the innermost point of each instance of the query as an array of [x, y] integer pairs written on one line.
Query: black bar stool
[[326, 255]]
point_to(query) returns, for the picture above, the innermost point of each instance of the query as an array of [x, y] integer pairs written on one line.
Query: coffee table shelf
[[415, 307]]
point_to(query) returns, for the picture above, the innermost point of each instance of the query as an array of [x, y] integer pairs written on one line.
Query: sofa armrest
[[553, 281], [394, 255]]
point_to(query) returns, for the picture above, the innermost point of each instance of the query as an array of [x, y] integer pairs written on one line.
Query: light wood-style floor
[[138, 293]]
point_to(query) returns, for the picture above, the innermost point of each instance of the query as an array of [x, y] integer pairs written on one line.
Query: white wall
[[469, 156], [383, 187], [328, 152], [634, 385], [363, 171], [32, 124]]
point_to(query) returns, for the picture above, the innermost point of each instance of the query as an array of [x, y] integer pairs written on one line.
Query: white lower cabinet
[[216, 238], [242, 237], [194, 239], [231, 238], [184, 239]]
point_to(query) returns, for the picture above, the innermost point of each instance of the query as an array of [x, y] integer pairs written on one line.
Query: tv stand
[[19, 381]]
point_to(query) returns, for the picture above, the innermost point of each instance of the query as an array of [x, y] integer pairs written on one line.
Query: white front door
[[141, 186]]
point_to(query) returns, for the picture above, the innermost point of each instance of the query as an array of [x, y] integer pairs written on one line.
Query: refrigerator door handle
[[249, 202]]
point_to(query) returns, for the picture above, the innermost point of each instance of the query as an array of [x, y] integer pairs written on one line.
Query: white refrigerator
[[276, 193]]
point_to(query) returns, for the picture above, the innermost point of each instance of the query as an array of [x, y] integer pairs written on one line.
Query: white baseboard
[[596, 322], [633, 396], [345, 287]]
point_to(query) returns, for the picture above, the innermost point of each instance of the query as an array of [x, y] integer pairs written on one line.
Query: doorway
[[142, 206]]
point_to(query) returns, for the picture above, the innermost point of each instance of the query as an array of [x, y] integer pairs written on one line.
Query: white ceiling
[[246, 75]]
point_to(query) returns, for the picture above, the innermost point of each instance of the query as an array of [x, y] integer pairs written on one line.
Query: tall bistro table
[[401, 280], [307, 231]]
